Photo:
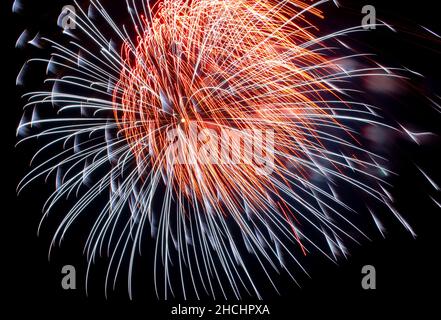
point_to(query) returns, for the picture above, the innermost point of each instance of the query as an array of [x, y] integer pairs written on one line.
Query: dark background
[[408, 270]]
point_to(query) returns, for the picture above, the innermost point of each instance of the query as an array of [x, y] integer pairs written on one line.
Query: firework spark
[[246, 70]]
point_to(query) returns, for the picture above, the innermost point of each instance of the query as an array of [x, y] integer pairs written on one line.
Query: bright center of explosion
[[233, 72]]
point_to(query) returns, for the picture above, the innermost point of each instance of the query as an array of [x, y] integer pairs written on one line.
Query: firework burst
[[224, 129]]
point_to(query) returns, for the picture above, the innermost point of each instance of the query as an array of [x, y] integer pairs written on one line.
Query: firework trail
[[252, 72]]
